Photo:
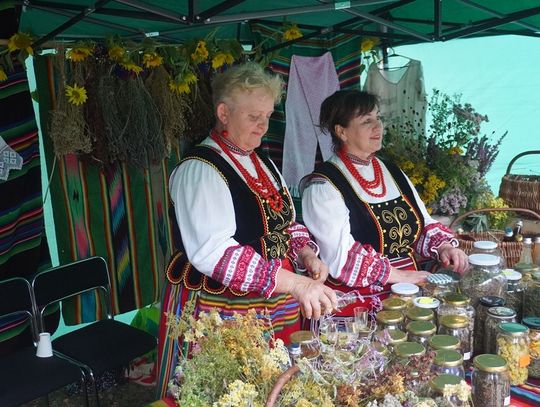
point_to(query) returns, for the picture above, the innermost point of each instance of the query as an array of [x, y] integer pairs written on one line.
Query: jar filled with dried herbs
[[513, 346], [390, 337], [394, 304], [458, 326], [437, 389], [515, 291], [442, 341], [389, 320], [484, 277], [533, 323], [459, 304], [405, 291], [495, 316], [490, 381], [419, 314], [421, 331], [438, 285], [405, 350], [448, 362], [484, 304], [531, 298]]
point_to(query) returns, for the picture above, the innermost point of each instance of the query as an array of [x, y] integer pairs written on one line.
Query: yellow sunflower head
[[292, 33], [79, 54], [116, 53], [76, 94], [222, 58], [20, 41], [152, 60], [367, 44], [189, 78], [3, 76], [455, 151], [131, 67], [179, 87], [201, 53]]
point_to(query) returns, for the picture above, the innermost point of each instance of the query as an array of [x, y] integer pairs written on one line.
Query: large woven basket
[[521, 191], [510, 250]]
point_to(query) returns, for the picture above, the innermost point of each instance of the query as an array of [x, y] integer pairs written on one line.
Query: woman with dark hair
[[364, 213]]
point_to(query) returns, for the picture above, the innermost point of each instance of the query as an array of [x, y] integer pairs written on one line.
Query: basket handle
[[466, 214], [280, 382], [513, 160]]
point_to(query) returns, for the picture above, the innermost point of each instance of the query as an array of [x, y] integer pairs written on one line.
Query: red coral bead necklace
[[261, 185], [368, 186]]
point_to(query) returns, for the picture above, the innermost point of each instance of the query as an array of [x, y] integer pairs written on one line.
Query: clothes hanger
[[384, 61]]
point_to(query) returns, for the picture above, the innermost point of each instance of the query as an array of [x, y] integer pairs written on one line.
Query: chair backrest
[[72, 279], [16, 298]]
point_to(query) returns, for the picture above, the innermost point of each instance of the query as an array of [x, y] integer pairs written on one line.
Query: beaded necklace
[[366, 185], [261, 185]]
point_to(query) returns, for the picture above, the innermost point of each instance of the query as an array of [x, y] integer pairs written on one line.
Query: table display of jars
[[533, 323], [495, 316], [459, 304], [442, 341], [513, 346], [484, 277], [421, 331], [531, 297], [490, 381], [484, 304], [438, 285], [515, 291], [447, 361], [458, 326]]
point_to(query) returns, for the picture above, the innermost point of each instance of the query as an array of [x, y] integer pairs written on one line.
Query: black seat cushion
[[25, 377], [105, 344]]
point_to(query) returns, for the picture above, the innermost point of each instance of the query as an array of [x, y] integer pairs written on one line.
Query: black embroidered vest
[[257, 225]]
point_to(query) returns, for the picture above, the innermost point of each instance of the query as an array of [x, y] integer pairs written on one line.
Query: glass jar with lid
[[305, 343], [405, 350], [389, 320], [526, 269], [484, 304], [421, 331], [490, 381], [533, 323], [437, 385], [531, 297], [515, 291], [447, 361], [391, 337], [459, 304], [495, 316], [442, 341], [484, 277], [489, 247], [431, 303], [513, 346], [405, 291], [438, 285], [458, 326], [394, 304], [419, 314]]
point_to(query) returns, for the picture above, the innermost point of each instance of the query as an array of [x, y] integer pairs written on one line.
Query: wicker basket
[[521, 191], [510, 250]]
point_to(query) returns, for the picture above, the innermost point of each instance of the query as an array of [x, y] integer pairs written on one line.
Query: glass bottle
[[458, 326], [421, 331], [484, 277], [437, 385], [490, 381], [515, 290], [442, 341], [513, 346], [459, 304], [405, 291], [438, 285], [484, 304], [531, 297], [394, 304], [518, 229], [495, 315], [419, 314], [448, 361], [536, 251], [389, 320], [488, 247], [508, 235], [526, 252], [533, 323]]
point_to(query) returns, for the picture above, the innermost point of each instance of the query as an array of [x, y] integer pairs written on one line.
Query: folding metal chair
[[23, 375], [102, 345]]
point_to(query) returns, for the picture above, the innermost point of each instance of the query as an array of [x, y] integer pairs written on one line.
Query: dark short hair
[[342, 107]]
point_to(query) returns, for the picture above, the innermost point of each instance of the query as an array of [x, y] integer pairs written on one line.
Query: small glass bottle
[[533, 323], [394, 304], [513, 346], [526, 251], [437, 385], [508, 235], [448, 362], [405, 291], [484, 277], [518, 230], [536, 251], [490, 381], [421, 331], [389, 320], [438, 285], [531, 297], [391, 337], [495, 315], [419, 314], [458, 326], [488, 247], [484, 304], [459, 304], [442, 341], [515, 291]]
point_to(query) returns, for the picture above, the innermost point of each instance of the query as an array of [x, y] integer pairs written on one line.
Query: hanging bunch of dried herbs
[[201, 117]]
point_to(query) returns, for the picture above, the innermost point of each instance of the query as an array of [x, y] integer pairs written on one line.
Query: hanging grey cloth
[[9, 160]]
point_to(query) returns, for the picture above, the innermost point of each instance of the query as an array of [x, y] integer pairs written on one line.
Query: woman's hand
[[407, 276], [452, 256], [316, 268]]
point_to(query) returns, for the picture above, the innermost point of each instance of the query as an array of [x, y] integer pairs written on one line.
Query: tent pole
[[218, 8], [437, 18], [179, 18]]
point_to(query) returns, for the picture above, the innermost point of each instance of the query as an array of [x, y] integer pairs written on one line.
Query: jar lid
[[426, 302], [532, 322], [397, 336], [527, 240], [481, 259], [490, 363], [501, 312], [406, 349], [526, 267], [405, 288], [440, 279], [512, 275], [439, 382], [389, 317], [420, 314], [444, 342], [379, 347], [448, 358], [513, 328], [492, 301], [454, 321], [301, 337], [294, 348], [394, 303], [535, 275], [485, 245], [422, 328], [456, 299]]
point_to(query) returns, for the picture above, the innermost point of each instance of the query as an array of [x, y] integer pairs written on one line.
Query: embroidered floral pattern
[[364, 267], [432, 237]]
